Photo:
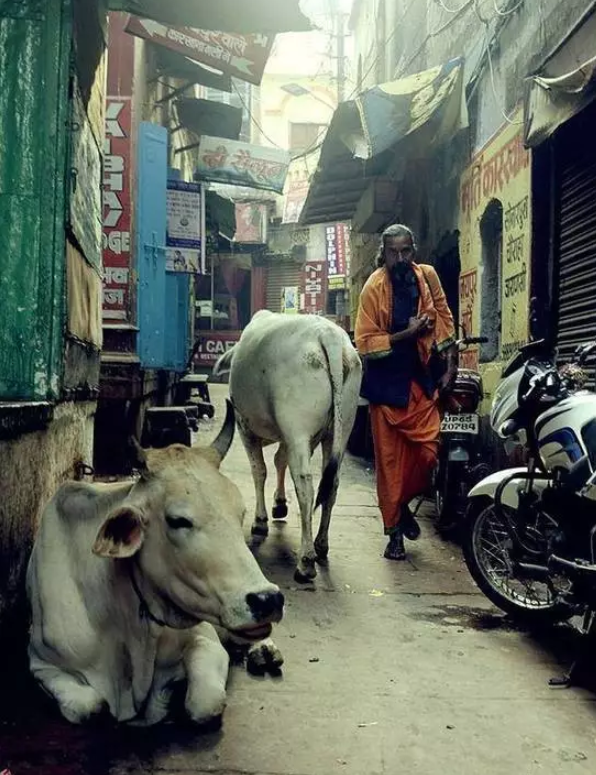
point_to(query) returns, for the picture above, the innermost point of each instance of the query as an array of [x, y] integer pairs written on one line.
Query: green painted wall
[[34, 61]]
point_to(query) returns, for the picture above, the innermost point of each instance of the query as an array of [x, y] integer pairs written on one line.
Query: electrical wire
[[507, 11], [254, 120], [451, 10], [491, 67], [438, 32]]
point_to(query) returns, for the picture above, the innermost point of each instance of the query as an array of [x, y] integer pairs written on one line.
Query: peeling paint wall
[[32, 467]]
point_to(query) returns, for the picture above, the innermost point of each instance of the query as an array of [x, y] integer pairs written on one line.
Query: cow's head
[[179, 538]]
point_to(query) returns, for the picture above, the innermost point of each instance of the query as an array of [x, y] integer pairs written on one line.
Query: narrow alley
[[389, 668]]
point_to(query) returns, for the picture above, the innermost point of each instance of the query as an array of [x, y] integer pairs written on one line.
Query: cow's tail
[[333, 348], [224, 363]]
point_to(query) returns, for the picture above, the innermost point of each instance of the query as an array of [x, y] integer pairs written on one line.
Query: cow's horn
[[224, 439]]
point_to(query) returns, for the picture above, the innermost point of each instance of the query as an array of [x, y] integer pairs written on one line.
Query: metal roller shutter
[[577, 234], [282, 273]]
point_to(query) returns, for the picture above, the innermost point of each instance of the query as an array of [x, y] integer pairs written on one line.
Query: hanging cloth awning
[[205, 117], [564, 84], [243, 16], [419, 112], [549, 102]]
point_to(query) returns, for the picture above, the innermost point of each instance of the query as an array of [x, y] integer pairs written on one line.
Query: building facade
[[500, 206]]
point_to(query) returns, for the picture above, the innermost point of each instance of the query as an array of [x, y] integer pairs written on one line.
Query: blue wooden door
[[152, 169], [177, 329]]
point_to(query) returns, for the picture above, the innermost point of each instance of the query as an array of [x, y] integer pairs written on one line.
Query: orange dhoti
[[406, 445]]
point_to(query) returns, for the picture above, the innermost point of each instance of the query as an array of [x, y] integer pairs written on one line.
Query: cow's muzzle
[[266, 606]]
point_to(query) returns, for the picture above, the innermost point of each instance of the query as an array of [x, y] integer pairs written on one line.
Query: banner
[[251, 223], [117, 211], [241, 56], [242, 164], [391, 111], [295, 195], [183, 234]]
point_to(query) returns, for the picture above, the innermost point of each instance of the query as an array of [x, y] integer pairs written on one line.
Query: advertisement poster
[[290, 300], [183, 235]]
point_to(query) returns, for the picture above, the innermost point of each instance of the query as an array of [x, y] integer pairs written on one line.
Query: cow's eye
[[178, 523]]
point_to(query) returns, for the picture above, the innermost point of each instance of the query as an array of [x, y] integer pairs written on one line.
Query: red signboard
[[117, 211], [315, 276], [213, 345], [242, 56]]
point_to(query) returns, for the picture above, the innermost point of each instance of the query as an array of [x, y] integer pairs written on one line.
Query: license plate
[[460, 423]]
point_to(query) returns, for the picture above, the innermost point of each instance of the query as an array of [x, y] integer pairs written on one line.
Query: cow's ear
[[121, 535]]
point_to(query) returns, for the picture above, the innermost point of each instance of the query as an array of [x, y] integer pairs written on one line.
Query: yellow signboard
[[495, 224]]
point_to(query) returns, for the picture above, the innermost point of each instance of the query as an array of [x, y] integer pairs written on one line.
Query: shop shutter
[[282, 273], [576, 156]]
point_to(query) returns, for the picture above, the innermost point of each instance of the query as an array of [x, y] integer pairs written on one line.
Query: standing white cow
[[295, 379], [127, 581]]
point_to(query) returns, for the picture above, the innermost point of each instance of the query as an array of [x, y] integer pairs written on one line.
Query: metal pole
[[341, 57]]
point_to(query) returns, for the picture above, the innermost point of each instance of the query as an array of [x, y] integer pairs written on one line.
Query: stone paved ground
[[390, 668]]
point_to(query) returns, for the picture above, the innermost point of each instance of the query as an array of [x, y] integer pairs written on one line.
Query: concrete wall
[[32, 466]]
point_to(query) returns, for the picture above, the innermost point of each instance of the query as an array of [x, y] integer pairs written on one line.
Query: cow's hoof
[[207, 710], [263, 658], [85, 706], [306, 571], [280, 509], [260, 528]]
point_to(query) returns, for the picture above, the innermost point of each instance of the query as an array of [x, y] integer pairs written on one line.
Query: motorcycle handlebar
[[474, 340]]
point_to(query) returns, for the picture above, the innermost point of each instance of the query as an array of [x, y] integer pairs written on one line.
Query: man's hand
[[416, 327], [419, 326], [447, 380]]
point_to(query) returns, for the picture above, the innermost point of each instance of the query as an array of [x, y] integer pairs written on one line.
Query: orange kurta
[[405, 439]]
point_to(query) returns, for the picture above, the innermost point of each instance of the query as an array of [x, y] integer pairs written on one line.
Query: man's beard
[[401, 270]]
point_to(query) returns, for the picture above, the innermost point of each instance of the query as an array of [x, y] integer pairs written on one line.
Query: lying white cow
[[295, 379], [127, 583]]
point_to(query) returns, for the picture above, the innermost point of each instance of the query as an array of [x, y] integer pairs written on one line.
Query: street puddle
[[464, 617]]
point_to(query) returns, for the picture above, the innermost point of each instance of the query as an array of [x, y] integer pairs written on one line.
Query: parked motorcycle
[[530, 533], [459, 464]]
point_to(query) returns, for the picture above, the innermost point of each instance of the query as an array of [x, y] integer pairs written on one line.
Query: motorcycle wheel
[[449, 499], [487, 547]]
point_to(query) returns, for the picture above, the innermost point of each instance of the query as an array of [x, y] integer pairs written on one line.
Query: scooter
[[459, 465]]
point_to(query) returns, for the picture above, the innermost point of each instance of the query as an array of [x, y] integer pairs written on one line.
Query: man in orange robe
[[403, 319]]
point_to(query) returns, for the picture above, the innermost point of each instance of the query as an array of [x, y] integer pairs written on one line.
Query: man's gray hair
[[396, 230]]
